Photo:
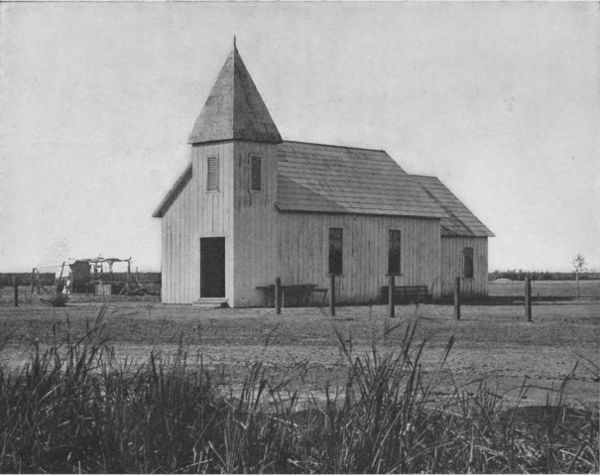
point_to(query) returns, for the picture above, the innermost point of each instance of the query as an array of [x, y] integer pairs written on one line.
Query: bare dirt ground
[[491, 342]]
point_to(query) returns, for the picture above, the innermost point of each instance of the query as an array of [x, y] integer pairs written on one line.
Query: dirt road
[[492, 342]]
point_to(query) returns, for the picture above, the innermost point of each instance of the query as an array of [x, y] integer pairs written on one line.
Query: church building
[[251, 207]]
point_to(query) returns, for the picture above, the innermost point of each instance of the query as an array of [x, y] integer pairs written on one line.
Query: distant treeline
[[520, 274], [48, 278], [142, 277], [24, 278]]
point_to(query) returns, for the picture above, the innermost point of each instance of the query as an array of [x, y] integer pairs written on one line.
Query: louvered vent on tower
[[212, 174]]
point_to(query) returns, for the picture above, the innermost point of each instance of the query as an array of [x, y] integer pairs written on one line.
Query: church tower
[[234, 168]]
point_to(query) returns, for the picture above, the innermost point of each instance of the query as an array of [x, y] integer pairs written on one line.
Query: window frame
[[260, 173], [397, 270], [468, 255], [332, 266], [217, 174]]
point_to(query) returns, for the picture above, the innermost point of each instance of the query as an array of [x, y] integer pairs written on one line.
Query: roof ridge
[[336, 146]]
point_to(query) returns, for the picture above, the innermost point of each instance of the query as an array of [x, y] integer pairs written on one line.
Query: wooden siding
[[303, 253], [262, 243], [198, 213], [255, 223], [452, 265], [178, 283]]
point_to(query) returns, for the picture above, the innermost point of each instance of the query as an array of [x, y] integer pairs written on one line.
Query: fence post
[[16, 291], [391, 296], [457, 298], [277, 295], [528, 298], [332, 295]]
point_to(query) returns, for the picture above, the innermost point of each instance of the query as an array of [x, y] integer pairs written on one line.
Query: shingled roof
[[332, 179], [321, 178], [459, 220], [234, 109]]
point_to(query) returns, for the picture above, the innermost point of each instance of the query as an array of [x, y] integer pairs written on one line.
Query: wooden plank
[[527, 298], [452, 265], [457, 298], [255, 223], [365, 252]]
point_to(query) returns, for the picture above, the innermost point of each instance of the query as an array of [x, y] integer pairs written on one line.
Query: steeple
[[234, 108]]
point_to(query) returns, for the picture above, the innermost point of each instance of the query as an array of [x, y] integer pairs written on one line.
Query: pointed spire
[[234, 108]]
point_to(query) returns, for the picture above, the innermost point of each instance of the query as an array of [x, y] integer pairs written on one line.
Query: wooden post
[[277, 296], [32, 280], [457, 298], [332, 295], [528, 298], [391, 296], [16, 291]]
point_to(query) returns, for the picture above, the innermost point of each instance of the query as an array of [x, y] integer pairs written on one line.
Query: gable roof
[[173, 193], [335, 179], [234, 109], [459, 220], [331, 179]]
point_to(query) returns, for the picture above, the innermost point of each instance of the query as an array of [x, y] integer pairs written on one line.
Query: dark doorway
[[212, 267]]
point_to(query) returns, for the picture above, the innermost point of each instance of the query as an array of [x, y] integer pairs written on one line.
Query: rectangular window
[[468, 262], [394, 252], [336, 246], [212, 174], [256, 173]]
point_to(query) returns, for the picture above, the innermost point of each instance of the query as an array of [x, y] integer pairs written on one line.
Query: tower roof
[[234, 108]]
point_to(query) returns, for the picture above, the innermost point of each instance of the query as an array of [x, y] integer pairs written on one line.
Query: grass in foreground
[[74, 408]]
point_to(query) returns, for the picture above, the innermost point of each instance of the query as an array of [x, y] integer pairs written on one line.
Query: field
[[555, 289], [493, 342], [146, 387]]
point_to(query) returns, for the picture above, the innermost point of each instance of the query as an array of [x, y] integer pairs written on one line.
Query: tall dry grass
[[75, 408]]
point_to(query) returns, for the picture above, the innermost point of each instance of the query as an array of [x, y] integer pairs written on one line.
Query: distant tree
[[579, 265]]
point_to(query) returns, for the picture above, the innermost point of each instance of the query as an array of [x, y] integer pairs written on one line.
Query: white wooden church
[[251, 207]]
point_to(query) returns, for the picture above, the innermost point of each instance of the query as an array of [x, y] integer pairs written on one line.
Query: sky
[[501, 101]]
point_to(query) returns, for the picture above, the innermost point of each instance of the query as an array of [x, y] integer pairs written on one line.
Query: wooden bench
[[322, 291], [299, 295], [407, 294]]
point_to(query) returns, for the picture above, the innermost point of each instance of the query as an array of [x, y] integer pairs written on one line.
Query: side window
[[212, 174], [256, 174], [468, 262], [394, 252], [336, 246]]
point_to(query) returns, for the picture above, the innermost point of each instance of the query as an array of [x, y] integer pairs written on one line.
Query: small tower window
[[212, 174], [256, 174], [468, 262], [336, 246], [394, 252]]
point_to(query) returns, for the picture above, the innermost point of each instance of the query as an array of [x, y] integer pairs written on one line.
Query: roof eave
[[461, 235], [171, 195]]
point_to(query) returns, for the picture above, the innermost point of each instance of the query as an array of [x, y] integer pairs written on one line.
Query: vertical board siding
[[255, 223], [177, 248], [215, 208], [197, 213], [303, 253], [262, 243], [452, 265]]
